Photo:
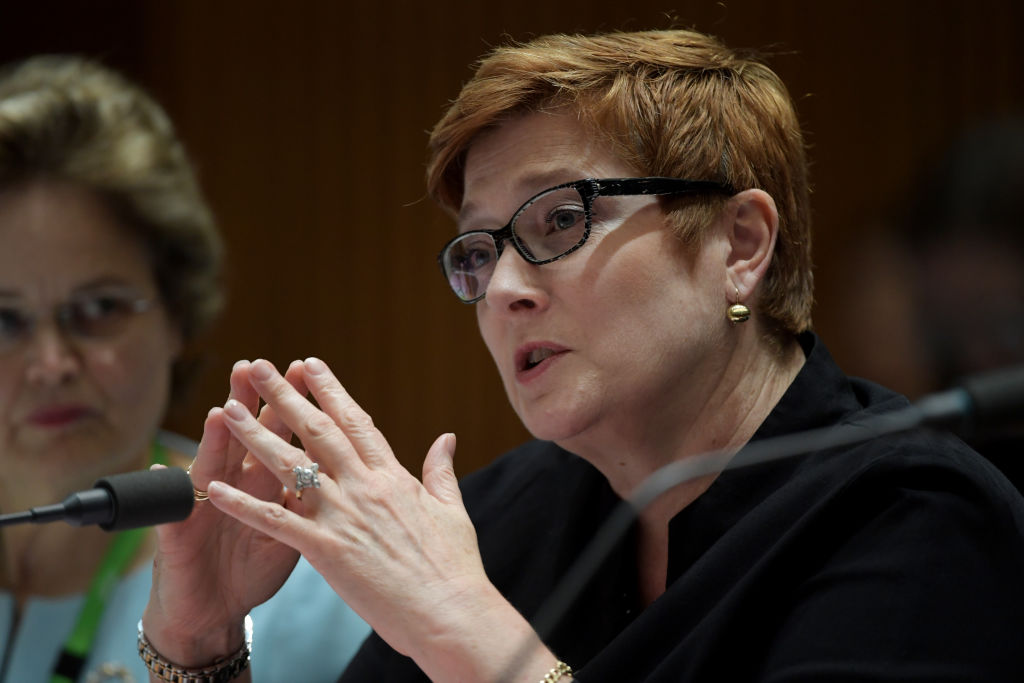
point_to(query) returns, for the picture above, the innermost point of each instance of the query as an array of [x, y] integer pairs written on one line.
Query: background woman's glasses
[[84, 316]]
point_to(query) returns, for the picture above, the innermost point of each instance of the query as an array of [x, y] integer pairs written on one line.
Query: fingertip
[[438, 469], [218, 493], [296, 376], [215, 429], [262, 369], [214, 419], [294, 368], [315, 366], [235, 410], [217, 488], [442, 451], [446, 443]]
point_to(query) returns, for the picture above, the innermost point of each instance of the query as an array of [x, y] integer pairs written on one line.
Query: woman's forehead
[[58, 239], [531, 153]]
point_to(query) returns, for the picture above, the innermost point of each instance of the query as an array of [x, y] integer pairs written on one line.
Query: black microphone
[[120, 501], [980, 401]]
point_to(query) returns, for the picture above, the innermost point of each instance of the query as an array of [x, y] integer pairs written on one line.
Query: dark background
[[308, 122]]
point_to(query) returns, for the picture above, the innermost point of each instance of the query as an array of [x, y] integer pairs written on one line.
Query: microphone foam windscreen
[[997, 395], [148, 497]]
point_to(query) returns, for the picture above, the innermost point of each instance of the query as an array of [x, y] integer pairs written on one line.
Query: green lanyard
[[118, 556]]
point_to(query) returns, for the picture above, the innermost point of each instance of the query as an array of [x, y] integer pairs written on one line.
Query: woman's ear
[[752, 233]]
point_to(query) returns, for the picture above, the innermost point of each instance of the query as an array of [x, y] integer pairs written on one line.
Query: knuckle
[[357, 420], [274, 516], [280, 390], [318, 425], [252, 430], [334, 393]]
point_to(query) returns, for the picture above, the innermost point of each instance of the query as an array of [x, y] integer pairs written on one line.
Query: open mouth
[[536, 357], [529, 358]]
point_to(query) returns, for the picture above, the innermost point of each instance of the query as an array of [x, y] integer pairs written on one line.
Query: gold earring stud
[[738, 313]]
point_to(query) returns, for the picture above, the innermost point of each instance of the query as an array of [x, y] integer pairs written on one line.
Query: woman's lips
[[532, 360], [58, 416]]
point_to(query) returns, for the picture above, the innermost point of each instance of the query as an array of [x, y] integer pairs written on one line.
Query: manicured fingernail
[[234, 409], [315, 366], [262, 369], [239, 364]]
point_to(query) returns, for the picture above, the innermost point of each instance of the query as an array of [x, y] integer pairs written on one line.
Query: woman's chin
[[559, 428]]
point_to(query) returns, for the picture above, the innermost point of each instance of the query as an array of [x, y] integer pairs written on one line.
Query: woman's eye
[[12, 321], [472, 259], [478, 258], [100, 307], [564, 219]]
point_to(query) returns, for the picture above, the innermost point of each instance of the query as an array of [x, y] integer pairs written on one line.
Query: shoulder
[[906, 491], [924, 459], [823, 398]]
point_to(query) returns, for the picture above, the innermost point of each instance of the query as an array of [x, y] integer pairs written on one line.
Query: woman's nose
[[52, 357], [515, 284]]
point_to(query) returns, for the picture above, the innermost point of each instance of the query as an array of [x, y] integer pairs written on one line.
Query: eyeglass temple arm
[[656, 186]]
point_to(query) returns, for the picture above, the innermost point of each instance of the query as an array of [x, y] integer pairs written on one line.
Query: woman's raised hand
[[211, 569], [402, 554]]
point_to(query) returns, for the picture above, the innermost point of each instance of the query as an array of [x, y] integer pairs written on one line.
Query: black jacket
[[898, 559]]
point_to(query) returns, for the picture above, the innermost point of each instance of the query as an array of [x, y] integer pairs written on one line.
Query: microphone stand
[[85, 507]]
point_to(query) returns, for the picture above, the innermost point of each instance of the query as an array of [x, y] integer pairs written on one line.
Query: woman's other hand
[[211, 569]]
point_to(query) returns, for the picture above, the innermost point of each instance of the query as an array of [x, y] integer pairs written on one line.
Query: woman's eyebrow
[[102, 281], [527, 185]]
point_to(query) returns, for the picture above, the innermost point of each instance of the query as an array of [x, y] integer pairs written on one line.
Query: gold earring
[[738, 313]]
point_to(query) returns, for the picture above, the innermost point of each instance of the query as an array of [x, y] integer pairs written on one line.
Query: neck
[[52, 559], [736, 393], [736, 398]]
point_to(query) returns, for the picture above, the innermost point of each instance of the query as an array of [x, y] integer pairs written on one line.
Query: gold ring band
[[198, 494]]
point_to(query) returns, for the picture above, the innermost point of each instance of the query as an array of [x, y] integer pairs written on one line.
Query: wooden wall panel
[[308, 123]]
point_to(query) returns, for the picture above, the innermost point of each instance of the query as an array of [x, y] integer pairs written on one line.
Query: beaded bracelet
[[221, 671], [560, 669]]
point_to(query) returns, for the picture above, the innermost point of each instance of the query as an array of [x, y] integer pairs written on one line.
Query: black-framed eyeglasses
[[550, 225], [85, 315]]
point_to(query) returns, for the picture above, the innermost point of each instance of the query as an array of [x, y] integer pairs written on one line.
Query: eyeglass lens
[[550, 225], [88, 316]]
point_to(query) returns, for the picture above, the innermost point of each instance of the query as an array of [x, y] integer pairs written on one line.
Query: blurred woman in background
[[110, 267]]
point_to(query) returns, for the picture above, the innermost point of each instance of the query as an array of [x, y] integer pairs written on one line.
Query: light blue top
[[304, 633]]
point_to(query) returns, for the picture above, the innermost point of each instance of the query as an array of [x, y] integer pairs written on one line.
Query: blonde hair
[[672, 103], [70, 119]]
